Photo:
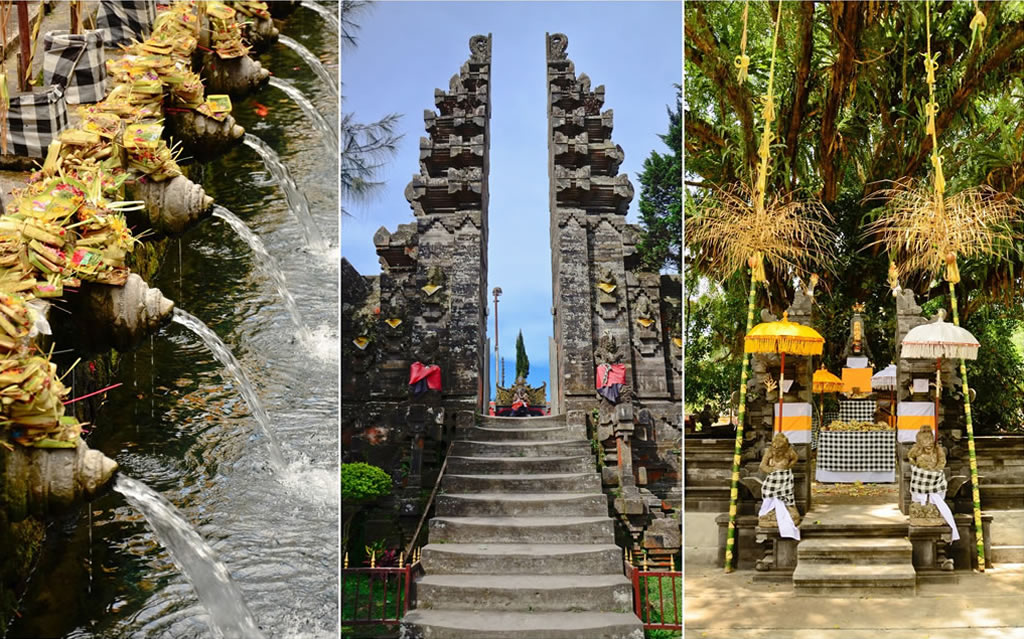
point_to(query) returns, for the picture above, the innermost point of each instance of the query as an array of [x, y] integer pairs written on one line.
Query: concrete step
[[854, 550], [517, 465], [514, 448], [545, 421], [523, 483], [604, 593], [522, 559], [522, 504], [1008, 554], [505, 433], [521, 530], [841, 580], [465, 624]]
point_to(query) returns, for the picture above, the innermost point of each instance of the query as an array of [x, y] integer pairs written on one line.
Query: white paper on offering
[[921, 385]]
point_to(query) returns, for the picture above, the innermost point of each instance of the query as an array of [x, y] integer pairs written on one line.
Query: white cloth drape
[[786, 526], [939, 499]]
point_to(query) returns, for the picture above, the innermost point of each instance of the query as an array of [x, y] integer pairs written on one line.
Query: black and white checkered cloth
[[779, 484], [857, 410], [77, 63], [125, 20], [927, 481], [34, 120], [857, 451]]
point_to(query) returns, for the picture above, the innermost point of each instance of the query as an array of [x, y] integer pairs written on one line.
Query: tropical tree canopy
[[850, 122], [661, 199]]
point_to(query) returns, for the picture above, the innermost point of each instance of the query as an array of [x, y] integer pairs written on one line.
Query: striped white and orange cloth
[[796, 421], [911, 416]]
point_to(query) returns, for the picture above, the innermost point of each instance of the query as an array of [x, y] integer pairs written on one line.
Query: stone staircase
[[843, 566], [521, 545]]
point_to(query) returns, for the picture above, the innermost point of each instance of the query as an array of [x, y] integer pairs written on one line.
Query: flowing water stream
[[265, 263], [229, 616], [180, 427], [231, 366], [297, 202], [314, 62], [332, 18], [328, 131]]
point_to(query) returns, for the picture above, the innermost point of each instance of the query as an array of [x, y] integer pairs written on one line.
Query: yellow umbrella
[[783, 337], [825, 382]]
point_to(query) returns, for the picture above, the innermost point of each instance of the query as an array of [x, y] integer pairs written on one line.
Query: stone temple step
[[466, 624], [545, 421], [512, 465], [522, 559], [516, 448], [522, 505], [523, 483], [603, 593], [854, 579], [521, 530], [504, 433], [854, 550]]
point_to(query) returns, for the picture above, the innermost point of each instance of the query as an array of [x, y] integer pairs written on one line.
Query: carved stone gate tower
[[594, 287]]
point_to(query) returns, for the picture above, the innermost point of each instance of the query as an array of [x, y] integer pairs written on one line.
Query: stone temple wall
[[428, 304]]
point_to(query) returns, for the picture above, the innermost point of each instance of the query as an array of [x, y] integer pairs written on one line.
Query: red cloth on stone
[[432, 373], [616, 375]]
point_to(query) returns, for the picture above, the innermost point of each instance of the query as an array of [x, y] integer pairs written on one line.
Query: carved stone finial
[[480, 49], [557, 45]]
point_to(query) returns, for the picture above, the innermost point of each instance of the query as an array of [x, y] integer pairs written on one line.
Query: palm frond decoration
[[926, 234], [729, 232]]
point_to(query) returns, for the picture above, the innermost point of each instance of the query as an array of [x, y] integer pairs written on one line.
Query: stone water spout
[[237, 76], [261, 32], [172, 206], [203, 135], [115, 316], [44, 481]]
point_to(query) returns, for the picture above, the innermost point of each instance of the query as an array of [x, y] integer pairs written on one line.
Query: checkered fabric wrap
[[125, 20], [927, 481], [857, 410], [77, 63], [857, 451], [34, 120], [779, 484]]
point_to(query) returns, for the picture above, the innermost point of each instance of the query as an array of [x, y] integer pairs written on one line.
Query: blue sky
[[407, 49]]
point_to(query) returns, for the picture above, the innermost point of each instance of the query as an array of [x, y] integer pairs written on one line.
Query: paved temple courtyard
[[977, 606]]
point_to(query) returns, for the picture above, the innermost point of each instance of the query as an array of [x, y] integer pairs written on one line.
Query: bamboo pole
[[730, 541], [975, 493], [25, 51]]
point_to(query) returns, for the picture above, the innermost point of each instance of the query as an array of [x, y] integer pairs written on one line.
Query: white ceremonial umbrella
[[939, 340]]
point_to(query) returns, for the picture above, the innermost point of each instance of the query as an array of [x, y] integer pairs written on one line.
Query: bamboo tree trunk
[[730, 542], [975, 493]]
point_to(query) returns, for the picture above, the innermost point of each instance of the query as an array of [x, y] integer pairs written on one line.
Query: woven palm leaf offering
[[31, 404], [148, 153], [251, 8], [15, 321], [226, 34]]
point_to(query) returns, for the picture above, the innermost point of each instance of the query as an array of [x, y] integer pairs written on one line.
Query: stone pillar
[[449, 198], [589, 243]]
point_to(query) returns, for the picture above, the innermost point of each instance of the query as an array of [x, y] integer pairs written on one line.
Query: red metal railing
[[378, 595], [657, 597]]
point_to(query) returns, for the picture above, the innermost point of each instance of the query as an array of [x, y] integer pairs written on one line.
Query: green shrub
[[362, 482]]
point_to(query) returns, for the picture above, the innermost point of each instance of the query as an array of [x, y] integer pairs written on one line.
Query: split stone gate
[[429, 303]]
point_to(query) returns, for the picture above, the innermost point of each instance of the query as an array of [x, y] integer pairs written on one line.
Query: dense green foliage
[[660, 204], [850, 89], [361, 482], [522, 361]]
